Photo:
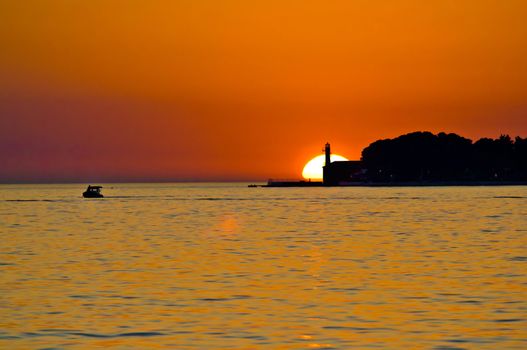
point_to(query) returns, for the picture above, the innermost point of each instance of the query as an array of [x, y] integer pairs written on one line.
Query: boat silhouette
[[93, 192]]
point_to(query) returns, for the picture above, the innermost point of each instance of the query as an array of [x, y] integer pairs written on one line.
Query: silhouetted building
[[341, 172], [327, 151]]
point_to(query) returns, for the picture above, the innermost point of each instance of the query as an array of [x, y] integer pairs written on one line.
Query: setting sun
[[313, 168]]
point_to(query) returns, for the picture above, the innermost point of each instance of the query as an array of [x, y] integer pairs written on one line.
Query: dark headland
[[426, 159]]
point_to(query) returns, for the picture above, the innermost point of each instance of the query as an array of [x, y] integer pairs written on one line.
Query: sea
[[225, 266]]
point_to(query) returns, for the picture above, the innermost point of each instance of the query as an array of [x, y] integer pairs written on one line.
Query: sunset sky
[[246, 90]]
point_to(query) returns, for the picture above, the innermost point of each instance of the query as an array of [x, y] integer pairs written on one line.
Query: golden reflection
[[298, 269], [317, 346], [226, 224], [229, 224]]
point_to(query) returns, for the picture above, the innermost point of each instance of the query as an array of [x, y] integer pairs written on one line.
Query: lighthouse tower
[[327, 150], [326, 167]]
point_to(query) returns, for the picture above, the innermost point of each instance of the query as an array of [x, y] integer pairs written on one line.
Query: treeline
[[423, 156]]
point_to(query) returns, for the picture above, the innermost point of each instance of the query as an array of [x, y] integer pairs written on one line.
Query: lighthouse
[[340, 172], [326, 167], [327, 150]]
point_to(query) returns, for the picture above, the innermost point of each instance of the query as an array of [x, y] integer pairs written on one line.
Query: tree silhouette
[[423, 156]]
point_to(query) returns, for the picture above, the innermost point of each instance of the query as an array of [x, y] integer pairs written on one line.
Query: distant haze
[[245, 90]]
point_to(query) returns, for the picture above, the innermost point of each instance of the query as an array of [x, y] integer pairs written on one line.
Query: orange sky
[[233, 90]]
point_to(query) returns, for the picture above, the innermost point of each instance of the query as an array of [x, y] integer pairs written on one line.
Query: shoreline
[[396, 184]]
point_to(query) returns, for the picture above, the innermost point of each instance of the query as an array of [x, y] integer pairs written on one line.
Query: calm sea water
[[223, 266]]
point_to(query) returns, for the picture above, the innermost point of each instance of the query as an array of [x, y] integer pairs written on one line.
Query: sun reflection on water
[[273, 269]]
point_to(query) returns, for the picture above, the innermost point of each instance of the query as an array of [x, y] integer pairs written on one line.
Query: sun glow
[[313, 168]]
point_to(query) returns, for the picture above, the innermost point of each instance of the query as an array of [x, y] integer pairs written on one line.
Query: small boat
[[252, 185], [93, 192]]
